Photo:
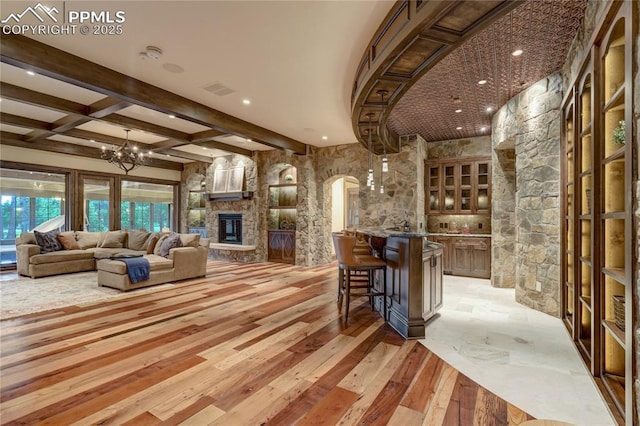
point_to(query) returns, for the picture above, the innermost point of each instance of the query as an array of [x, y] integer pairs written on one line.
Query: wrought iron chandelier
[[127, 156]]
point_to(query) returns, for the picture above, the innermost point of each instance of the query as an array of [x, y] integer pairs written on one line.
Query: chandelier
[[127, 156]]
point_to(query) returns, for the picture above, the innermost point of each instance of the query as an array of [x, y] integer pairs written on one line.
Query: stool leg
[[384, 293], [340, 288], [348, 295]]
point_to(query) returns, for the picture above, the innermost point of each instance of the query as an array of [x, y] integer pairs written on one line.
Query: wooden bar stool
[[349, 265]]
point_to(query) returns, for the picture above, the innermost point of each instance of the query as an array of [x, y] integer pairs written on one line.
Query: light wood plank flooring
[[250, 344]]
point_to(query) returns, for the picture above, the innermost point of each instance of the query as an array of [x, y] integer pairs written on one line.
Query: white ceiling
[[295, 60]]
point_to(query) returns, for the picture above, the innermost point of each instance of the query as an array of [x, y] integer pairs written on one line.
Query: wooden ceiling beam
[[23, 52], [31, 97], [14, 139], [80, 114], [188, 155], [106, 106], [69, 122], [225, 147], [27, 123]]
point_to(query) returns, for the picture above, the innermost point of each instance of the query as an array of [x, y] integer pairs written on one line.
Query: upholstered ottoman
[[113, 273]]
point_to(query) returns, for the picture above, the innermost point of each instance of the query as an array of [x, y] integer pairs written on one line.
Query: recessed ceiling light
[[31, 73], [168, 155], [517, 52], [91, 140], [482, 82], [459, 128], [483, 128], [489, 109], [172, 116], [458, 110], [248, 139], [205, 148], [324, 138], [246, 101]]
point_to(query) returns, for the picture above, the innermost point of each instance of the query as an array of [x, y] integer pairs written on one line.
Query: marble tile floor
[[524, 356]]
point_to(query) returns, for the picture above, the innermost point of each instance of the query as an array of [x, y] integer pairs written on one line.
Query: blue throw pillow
[[172, 241], [48, 241]]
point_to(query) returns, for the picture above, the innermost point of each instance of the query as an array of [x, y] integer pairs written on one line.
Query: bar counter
[[414, 278]]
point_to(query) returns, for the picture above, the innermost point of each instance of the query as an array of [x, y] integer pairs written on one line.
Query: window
[[29, 199], [146, 205]]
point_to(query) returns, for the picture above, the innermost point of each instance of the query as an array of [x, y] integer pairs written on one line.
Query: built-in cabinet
[[598, 255], [459, 186], [282, 217], [465, 256], [196, 213]]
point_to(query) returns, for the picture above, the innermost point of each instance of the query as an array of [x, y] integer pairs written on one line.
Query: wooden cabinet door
[[446, 252], [275, 246], [427, 283], [289, 247], [481, 258], [436, 272], [461, 257], [434, 198]]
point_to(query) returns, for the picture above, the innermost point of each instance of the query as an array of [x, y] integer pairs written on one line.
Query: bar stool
[[349, 265]]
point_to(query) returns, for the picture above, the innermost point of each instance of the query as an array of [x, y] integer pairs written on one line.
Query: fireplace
[[230, 228]]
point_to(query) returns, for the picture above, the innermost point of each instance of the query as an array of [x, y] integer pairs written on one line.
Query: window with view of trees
[[146, 206]]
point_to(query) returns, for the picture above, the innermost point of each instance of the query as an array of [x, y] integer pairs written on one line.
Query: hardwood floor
[[250, 344]]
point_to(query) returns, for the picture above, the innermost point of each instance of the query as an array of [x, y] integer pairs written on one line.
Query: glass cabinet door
[[449, 188], [482, 201], [434, 188]]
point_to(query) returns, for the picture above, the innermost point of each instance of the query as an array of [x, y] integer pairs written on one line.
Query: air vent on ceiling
[[218, 89]]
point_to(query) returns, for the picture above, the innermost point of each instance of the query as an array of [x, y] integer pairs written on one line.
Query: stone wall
[[531, 122], [456, 148], [197, 172], [404, 188], [636, 202]]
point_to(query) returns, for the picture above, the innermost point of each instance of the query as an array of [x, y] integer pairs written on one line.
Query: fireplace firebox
[[230, 228]]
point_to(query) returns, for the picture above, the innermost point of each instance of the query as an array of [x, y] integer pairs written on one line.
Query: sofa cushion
[[48, 241], [87, 239], [161, 238], [60, 256], [151, 243], [190, 240], [156, 263], [102, 253], [172, 241], [114, 239], [136, 240], [26, 238], [68, 240]]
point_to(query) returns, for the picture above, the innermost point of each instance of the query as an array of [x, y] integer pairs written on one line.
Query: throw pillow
[[156, 249], [114, 239], [190, 240], [87, 239], [136, 240], [48, 241], [68, 240], [151, 243], [172, 241]]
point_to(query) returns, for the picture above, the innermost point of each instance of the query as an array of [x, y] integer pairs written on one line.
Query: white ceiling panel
[[207, 152], [40, 83], [119, 132], [242, 143], [14, 129], [25, 110]]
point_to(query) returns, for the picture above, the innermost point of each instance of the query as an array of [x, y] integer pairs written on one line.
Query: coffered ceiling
[[294, 60]]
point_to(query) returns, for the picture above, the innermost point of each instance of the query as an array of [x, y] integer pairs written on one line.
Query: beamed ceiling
[[294, 60]]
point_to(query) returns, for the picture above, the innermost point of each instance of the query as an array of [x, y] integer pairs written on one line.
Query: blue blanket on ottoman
[[137, 268]]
